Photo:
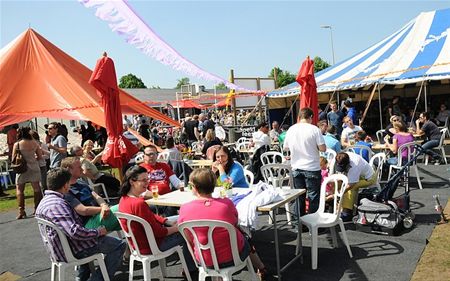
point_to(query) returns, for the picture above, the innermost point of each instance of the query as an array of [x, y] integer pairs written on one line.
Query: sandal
[[262, 273]]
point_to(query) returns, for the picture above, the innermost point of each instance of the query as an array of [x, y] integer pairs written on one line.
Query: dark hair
[[426, 115], [342, 162], [24, 133], [204, 180], [57, 178], [170, 142], [285, 127], [361, 135], [131, 174], [348, 103], [262, 125], [331, 130], [230, 161], [306, 113]]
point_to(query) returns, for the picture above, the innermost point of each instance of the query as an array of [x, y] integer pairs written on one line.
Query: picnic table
[[178, 198]]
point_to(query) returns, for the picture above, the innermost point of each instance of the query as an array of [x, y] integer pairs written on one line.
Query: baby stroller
[[383, 213]]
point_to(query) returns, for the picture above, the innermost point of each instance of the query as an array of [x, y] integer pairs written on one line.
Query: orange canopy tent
[[39, 80], [187, 104]]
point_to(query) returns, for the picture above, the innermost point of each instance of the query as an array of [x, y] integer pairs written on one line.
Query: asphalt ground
[[375, 257]]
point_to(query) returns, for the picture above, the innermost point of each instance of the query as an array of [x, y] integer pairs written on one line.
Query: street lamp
[[331, 36]]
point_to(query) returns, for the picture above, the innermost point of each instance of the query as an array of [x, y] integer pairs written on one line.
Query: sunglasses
[[151, 154], [143, 180]]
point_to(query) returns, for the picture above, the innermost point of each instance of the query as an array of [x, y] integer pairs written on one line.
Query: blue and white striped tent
[[418, 51]]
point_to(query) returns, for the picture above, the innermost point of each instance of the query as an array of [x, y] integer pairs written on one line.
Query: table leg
[[277, 250]]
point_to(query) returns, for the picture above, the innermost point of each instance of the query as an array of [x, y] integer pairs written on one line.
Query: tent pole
[[425, 95], [380, 108], [233, 100], [369, 101], [417, 102], [178, 107]]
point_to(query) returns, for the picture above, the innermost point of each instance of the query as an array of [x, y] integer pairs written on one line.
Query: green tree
[[284, 77], [181, 82], [130, 81], [320, 64], [221, 86]]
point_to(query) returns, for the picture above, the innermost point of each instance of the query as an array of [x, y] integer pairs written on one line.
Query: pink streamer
[[127, 23]]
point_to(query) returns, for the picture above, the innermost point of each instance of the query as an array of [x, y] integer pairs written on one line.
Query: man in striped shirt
[[84, 242]]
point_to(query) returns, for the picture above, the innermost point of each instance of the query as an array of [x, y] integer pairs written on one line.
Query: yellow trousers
[[348, 200]]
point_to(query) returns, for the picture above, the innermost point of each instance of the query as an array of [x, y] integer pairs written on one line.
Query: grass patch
[[435, 261], [9, 203]]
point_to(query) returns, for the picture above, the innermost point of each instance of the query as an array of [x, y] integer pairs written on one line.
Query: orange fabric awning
[[39, 80]]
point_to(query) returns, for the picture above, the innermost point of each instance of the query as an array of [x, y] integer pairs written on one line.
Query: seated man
[[112, 185], [348, 134], [83, 242], [92, 208], [360, 175]]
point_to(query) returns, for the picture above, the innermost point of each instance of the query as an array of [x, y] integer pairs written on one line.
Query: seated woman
[[205, 207], [211, 140], [174, 153], [225, 168], [390, 131], [400, 138], [166, 233], [112, 185], [88, 154]]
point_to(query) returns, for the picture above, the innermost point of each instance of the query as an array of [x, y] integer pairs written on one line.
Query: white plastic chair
[[163, 156], [378, 158], [361, 148], [242, 139], [380, 134], [411, 151], [271, 157], [249, 177], [243, 145], [440, 147], [321, 219], [188, 230], [157, 255], [279, 176], [196, 146], [139, 158], [47, 228]]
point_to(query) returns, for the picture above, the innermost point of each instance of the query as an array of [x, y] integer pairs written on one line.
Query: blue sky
[[250, 37]]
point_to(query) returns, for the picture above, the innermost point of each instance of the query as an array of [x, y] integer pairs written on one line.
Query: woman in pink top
[[205, 207], [400, 138]]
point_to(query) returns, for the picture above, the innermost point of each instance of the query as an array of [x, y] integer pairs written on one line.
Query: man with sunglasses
[[348, 134], [431, 132], [57, 146]]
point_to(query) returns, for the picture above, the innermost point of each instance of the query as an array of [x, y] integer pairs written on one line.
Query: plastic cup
[[154, 189]]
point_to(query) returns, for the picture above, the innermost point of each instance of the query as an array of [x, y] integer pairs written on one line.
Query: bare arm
[[87, 210], [322, 147]]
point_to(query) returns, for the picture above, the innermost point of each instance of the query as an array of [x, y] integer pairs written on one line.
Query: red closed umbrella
[[308, 94], [118, 150]]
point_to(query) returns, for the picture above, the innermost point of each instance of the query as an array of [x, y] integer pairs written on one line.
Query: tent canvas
[[419, 51], [40, 80]]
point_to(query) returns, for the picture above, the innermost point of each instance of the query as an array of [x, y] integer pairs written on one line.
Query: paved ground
[[376, 257]]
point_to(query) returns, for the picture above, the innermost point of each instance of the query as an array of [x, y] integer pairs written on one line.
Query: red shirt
[[213, 209], [138, 207], [159, 174]]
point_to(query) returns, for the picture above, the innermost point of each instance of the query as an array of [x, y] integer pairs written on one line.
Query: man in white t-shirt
[[360, 175], [348, 134], [261, 137], [305, 141]]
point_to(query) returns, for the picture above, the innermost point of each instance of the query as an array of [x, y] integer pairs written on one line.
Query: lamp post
[[331, 37]]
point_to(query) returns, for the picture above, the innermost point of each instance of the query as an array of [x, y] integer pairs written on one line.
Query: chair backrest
[[211, 150], [126, 220], [411, 151], [243, 145], [329, 154], [443, 134], [100, 186], [241, 140], [277, 175], [139, 158], [165, 155], [340, 183], [359, 149], [189, 231], [249, 177], [377, 162], [195, 146], [271, 157], [50, 231], [380, 134]]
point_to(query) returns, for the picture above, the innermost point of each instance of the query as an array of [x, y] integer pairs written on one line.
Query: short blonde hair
[[210, 135]]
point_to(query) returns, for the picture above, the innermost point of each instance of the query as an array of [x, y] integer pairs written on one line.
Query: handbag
[[18, 162]]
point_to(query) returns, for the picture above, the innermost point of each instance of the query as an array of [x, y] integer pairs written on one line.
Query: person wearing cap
[[360, 174]]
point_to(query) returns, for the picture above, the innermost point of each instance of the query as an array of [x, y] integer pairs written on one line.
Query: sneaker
[[346, 216]]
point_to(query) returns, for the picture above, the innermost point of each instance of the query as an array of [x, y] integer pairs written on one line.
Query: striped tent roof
[[420, 50]]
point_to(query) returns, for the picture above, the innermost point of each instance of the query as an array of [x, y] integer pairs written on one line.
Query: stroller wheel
[[407, 222], [355, 219], [412, 215]]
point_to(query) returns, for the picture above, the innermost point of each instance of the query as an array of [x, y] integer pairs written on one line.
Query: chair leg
[[53, 272], [162, 266], [251, 270], [183, 264], [344, 236], [416, 170], [314, 248], [146, 270], [201, 275], [443, 155], [131, 268], [102, 265], [61, 273], [270, 217], [334, 236]]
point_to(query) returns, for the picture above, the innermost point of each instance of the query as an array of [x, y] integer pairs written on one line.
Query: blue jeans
[[428, 145], [175, 240], [112, 247], [311, 181]]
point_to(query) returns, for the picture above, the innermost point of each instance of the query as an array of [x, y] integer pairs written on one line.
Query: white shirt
[[260, 139], [358, 168], [220, 132], [302, 140], [349, 133]]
